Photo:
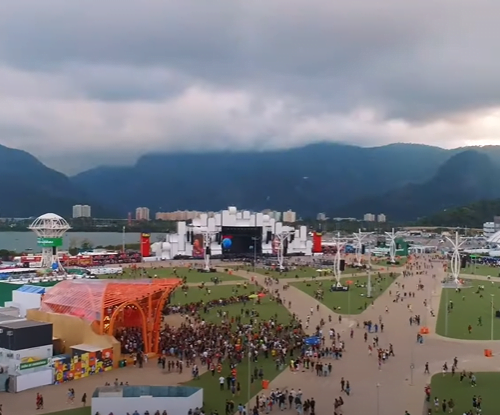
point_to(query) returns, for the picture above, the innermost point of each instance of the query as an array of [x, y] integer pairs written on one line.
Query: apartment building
[[81, 211]]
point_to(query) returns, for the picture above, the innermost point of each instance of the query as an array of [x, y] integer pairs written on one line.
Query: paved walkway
[[396, 387], [392, 390]]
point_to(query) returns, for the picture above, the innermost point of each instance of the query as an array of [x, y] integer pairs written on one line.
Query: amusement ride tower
[[50, 229]]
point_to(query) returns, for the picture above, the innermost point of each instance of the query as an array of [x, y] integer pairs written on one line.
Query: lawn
[[448, 387], [299, 273], [478, 269], [214, 398], [7, 288], [468, 306], [354, 301], [382, 262], [192, 276], [266, 308], [75, 411]]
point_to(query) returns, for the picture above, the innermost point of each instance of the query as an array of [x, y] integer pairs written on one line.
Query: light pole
[[369, 284], [492, 314], [339, 243], [282, 237], [123, 239], [378, 398], [447, 312], [207, 242], [455, 257], [359, 237], [249, 373], [392, 245]]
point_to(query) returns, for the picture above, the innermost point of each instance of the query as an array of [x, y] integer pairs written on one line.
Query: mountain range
[[404, 181]]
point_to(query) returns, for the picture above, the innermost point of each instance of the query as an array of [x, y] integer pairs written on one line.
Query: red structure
[[317, 240], [108, 305], [145, 245]]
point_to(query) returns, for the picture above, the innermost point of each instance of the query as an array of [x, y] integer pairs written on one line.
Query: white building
[[381, 218], [489, 228], [289, 216], [369, 217], [321, 216], [82, 211], [142, 213], [207, 233]]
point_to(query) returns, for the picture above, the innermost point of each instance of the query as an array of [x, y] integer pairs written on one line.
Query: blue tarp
[[312, 341], [32, 289]]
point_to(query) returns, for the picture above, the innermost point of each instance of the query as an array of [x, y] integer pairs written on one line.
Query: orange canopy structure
[[109, 304]]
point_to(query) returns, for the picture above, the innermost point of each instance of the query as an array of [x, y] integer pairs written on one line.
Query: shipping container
[[26, 334]]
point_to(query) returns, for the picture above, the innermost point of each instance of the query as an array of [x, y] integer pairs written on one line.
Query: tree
[[86, 245]]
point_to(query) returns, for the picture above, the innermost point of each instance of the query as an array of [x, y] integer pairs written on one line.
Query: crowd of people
[[219, 348]]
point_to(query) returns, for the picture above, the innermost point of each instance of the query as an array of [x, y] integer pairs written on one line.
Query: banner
[[317, 241], [33, 364], [49, 242], [198, 246], [145, 245], [276, 244]]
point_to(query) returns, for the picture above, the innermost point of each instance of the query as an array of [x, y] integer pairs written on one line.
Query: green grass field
[[468, 306], [6, 290], [75, 411], [299, 273], [352, 302], [448, 387], [266, 308], [192, 276], [485, 270], [213, 397]]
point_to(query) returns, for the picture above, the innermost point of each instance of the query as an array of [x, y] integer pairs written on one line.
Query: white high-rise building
[[82, 211], [142, 213], [369, 217], [289, 216], [381, 218]]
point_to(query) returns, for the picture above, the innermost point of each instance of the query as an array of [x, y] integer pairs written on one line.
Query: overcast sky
[[90, 82]]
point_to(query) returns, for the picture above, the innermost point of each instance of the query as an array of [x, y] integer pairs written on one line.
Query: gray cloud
[[105, 82]]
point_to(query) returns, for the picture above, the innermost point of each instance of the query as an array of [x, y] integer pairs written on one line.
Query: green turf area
[[485, 270], [214, 398], [75, 411], [382, 262], [299, 273], [352, 302], [192, 276], [266, 308], [468, 307], [7, 288], [449, 387]]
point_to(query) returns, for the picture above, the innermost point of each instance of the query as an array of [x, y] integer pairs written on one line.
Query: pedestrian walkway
[[398, 387]]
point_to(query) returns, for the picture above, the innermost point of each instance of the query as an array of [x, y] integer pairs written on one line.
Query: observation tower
[[50, 229]]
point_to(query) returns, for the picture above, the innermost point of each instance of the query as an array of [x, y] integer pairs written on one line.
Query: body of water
[[21, 241]]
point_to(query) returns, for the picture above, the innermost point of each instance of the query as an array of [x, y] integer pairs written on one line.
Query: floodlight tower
[[455, 257], [392, 244], [359, 237], [339, 243], [50, 229], [207, 242], [283, 237]]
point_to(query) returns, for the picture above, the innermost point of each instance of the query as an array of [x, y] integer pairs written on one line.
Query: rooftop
[[138, 391]]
